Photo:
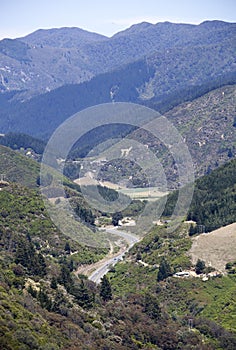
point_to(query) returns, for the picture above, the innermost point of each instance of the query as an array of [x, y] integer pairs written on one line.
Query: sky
[[107, 17]]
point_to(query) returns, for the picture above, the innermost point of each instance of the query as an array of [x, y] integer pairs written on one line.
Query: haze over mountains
[[160, 66], [47, 59]]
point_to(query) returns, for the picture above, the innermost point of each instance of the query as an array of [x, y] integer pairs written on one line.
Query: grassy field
[[215, 248], [149, 193]]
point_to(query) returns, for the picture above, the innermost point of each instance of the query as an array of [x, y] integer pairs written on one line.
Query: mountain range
[[47, 59], [185, 71]]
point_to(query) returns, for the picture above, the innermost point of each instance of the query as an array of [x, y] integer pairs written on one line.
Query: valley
[[99, 250]]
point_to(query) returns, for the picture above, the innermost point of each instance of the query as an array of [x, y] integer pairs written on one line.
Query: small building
[[182, 274]]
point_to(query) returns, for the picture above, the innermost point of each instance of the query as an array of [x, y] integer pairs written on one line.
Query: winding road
[[100, 271]]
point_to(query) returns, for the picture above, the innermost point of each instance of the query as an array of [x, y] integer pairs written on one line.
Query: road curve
[[102, 270]]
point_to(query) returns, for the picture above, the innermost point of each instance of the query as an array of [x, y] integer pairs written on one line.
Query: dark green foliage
[[134, 208], [164, 270], [138, 256], [53, 283], [86, 215], [105, 289], [116, 217], [108, 194], [200, 267], [65, 277], [27, 256], [18, 168], [71, 170], [214, 200], [32, 291], [17, 141], [59, 302], [151, 306], [226, 339], [192, 230], [67, 247], [83, 296], [231, 267], [44, 300]]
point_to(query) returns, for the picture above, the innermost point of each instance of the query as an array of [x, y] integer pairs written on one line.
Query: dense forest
[[214, 199]]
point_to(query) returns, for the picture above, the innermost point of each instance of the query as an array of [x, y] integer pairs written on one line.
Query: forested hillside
[[47, 59], [214, 199]]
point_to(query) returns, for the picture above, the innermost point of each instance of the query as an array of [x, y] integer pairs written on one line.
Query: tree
[[67, 247], [151, 306], [83, 296], [44, 300], [32, 291], [138, 256], [86, 215], [192, 230], [105, 291], [200, 267], [116, 217], [164, 270], [65, 278], [54, 283]]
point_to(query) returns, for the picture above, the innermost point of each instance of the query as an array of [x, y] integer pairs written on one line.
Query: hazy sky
[[20, 17]]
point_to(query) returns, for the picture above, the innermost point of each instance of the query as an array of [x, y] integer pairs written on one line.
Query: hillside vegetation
[[214, 199], [44, 305]]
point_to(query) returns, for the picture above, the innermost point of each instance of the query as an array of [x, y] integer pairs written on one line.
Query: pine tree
[[192, 230], [65, 278], [164, 270], [105, 291], [67, 248], [83, 296], [44, 300], [200, 267], [116, 217]]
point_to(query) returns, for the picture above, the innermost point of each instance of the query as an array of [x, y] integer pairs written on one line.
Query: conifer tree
[[200, 267], [164, 270], [105, 291], [83, 296]]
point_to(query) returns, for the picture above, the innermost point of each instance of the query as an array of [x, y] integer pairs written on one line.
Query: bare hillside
[[215, 248]]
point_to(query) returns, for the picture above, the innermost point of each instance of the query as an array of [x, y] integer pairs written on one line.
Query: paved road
[[102, 270]]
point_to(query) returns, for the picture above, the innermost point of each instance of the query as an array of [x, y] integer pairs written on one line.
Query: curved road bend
[[102, 270]]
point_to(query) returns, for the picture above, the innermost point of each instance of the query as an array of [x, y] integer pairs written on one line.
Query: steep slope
[[208, 126], [213, 204], [207, 123], [17, 168]]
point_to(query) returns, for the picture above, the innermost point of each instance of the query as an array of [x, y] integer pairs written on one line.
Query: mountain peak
[[64, 37], [134, 29]]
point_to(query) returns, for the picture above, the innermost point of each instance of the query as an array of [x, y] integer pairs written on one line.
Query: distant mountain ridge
[[62, 37], [47, 59]]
